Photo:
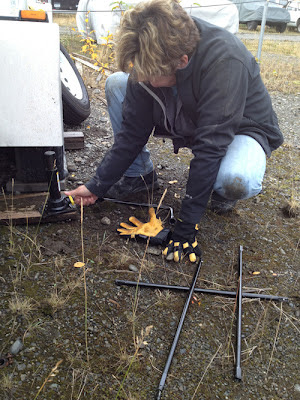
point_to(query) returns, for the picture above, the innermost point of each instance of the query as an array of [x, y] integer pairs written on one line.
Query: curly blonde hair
[[153, 36]]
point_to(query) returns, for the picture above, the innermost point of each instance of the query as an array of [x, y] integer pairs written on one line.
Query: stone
[[16, 347], [133, 268], [105, 221]]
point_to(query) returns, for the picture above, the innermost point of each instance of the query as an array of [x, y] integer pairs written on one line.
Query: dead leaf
[[114, 302], [256, 273], [172, 182], [79, 264]]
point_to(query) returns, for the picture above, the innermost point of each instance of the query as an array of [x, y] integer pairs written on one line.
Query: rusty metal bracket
[[6, 360]]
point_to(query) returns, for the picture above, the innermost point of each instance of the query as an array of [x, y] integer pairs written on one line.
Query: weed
[[20, 306]]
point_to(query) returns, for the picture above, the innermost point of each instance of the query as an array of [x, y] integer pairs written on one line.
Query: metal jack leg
[[212, 292], [176, 337], [190, 291], [56, 203], [238, 371]]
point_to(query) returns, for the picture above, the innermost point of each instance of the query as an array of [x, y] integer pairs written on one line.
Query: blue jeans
[[115, 90], [242, 168]]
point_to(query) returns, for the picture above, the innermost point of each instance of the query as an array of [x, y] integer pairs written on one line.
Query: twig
[[275, 339], [53, 371], [85, 289], [202, 377]]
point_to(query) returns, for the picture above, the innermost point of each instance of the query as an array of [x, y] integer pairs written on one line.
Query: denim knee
[[237, 187], [115, 85]]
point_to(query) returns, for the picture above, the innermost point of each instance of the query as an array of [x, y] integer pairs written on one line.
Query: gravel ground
[[120, 350]]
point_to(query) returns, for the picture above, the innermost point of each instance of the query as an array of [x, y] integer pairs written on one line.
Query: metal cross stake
[[238, 294]]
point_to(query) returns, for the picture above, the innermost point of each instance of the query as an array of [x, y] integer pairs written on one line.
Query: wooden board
[[74, 140], [27, 209]]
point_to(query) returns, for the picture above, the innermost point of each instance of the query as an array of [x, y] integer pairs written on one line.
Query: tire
[[252, 25], [75, 99], [281, 28]]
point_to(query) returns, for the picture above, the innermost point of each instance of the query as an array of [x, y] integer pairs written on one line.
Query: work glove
[[183, 241], [153, 229]]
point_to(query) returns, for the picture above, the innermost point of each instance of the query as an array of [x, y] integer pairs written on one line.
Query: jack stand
[[56, 203], [239, 294]]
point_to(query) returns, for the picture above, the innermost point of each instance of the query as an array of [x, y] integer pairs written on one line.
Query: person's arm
[[136, 128], [221, 101]]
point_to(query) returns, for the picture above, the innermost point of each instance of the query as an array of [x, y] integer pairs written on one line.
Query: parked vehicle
[[293, 8], [64, 4], [104, 15], [251, 14]]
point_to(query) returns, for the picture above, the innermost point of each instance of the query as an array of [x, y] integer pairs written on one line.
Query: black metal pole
[[238, 370], [213, 292], [172, 219], [179, 327]]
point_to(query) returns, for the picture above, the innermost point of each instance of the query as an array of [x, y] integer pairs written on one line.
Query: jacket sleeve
[[221, 98], [135, 131]]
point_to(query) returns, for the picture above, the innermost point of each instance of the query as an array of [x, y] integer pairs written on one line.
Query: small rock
[[54, 386], [133, 268], [170, 257], [154, 251], [21, 367], [297, 388], [71, 167], [105, 221], [16, 347], [96, 91], [23, 377], [297, 313]]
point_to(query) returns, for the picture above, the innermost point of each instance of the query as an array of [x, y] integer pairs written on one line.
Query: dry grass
[[19, 306], [280, 66], [63, 19]]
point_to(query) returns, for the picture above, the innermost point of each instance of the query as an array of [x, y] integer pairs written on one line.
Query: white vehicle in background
[[97, 18], [293, 8]]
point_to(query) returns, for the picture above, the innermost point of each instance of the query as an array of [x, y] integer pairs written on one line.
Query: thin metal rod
[[179, 327], [130, 203], [238, 370], [213, 292]]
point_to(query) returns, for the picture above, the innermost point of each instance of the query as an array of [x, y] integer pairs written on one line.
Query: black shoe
[[126, 186], [220, 205]]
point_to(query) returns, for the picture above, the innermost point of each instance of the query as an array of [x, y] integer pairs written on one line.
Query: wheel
[[281, 28], [76, 104], [252, 25]]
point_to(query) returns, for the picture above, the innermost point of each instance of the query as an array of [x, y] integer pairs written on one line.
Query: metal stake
[[176, 337], [172, 219], [238, 371], [213, 292]]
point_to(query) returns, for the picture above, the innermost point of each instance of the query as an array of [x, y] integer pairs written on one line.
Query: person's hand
[[83, 194], [183, 241]]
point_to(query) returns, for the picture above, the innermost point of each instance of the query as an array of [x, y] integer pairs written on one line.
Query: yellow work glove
[[149, 229]]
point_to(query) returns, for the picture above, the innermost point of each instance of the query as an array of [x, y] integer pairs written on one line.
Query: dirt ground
[[84, 337]]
